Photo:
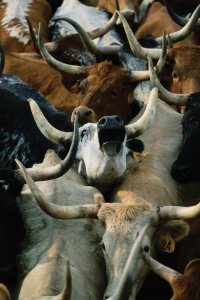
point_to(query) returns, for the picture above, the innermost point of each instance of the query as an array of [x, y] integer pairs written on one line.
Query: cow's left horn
[[144, 122], [169, 97], [54, 210]]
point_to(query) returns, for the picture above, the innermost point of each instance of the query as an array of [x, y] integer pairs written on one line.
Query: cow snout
[[85, 115], [111, 134]]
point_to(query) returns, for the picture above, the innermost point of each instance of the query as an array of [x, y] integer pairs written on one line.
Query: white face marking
[[99, 167], [14, 20]]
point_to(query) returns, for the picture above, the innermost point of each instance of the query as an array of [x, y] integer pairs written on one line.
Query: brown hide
[[186, 286], [181, 73], [38, 11], [123, 4], [156, 21], [105, 89]]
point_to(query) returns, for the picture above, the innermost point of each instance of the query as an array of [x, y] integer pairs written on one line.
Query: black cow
[[19, 135], [186, 167], [11, 226]]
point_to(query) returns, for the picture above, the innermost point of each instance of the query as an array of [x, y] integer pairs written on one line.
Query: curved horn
[[179, 212], [54, 210], [140, 126], [136, 48], [186, 30], [51, 133], [169, 97], [41, 174], [66, 292], [70, 69], [88, 42], [182, 21], [128, 277], [161, 270], [2, 59], [144, 75]]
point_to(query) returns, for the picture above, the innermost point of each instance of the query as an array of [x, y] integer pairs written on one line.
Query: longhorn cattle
[[20, 136], [50, 244], [180, 75], [139, 200], [103, 148], [14, 30], [103, 87]]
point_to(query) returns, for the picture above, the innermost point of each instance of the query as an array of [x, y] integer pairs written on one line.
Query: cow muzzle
[[111, 134]]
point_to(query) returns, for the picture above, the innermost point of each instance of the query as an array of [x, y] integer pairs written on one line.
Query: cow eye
[[102, 246], [83, 133]]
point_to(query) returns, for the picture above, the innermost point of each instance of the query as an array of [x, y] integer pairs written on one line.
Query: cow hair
[[186, 286]]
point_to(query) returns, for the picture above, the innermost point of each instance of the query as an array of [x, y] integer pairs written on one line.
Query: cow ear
[[135, 145], [170, 232]]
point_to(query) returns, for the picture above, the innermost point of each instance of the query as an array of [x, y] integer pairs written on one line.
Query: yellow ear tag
[[167, 244], [139, 156]]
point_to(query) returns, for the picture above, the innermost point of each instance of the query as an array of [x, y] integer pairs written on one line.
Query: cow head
[[127, 227], [102, 148]]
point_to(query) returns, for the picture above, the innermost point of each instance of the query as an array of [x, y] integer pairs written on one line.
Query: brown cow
[[14, 30]]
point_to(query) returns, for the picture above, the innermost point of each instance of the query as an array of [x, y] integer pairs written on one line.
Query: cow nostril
[[119, 120], [102, 121], [106, 297]]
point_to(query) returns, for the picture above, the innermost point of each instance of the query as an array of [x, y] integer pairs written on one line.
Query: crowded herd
[[99, 149]]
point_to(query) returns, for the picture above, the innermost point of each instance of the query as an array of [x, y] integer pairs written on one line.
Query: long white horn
[[186, 30], [163, 271], [136, 48], [179, 212], [54, 210], [51, 133], [169, 97], [140, 126]]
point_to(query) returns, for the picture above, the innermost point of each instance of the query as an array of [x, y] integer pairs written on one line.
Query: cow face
[[102, 150], [186, 167], [123, 225], [183, 67], [106, 89]]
